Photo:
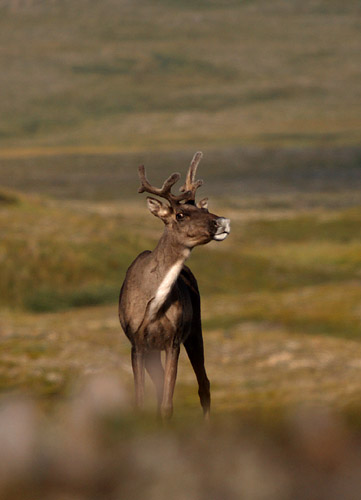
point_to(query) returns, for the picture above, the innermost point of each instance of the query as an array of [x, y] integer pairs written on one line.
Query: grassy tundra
[[289, 271], [281, 307], [270, 92], [90, 76]]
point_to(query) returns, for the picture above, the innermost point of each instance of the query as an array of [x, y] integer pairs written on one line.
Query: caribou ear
[[158, 209], [203, 203]]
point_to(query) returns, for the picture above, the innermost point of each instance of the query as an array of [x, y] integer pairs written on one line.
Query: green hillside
[[157, 74]]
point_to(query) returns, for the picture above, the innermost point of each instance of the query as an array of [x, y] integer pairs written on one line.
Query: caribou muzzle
[[223, 228]]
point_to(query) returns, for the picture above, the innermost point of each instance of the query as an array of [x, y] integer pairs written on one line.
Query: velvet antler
[[191, 185], [165, 190]]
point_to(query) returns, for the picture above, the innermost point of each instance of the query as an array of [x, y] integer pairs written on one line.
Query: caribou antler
[[165, 190], [188, 189], [191, 184]]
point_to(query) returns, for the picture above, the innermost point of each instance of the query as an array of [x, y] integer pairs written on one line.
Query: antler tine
[[146, 186], [165, 190], [191, 184]]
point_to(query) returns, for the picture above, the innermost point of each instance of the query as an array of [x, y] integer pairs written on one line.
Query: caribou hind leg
[[195, 351], [194, 342]]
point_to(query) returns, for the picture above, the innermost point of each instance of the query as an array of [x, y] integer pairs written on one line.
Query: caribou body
[[159, 304]]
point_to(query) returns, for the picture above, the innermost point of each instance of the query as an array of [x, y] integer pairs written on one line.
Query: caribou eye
[[180, 216]]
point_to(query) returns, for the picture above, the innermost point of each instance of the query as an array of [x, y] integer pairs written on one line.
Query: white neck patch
[[165, 287]]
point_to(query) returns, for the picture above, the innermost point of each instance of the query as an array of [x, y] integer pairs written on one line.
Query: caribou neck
[[169, 257], [169, 252]]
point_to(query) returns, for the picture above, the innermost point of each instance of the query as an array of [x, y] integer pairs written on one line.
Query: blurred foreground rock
[[95, 447]]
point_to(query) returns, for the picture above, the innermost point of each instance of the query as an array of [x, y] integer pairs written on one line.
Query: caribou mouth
[[221, 236]]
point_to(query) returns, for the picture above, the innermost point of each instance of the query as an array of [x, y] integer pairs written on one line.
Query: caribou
[[159, 304]]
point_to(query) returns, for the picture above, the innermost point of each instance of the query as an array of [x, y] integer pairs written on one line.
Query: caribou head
[[191, 222]]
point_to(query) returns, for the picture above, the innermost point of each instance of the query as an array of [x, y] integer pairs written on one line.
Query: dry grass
[[286, 414], [93, 448], [282, 279], [255, 366], [57, 255], [281, 307], [167, 75]]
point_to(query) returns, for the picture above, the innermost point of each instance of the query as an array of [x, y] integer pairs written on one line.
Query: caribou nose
[[224, 223], [223, 228]]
